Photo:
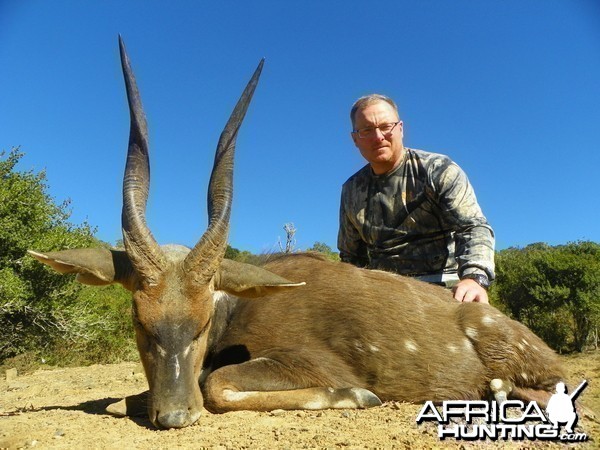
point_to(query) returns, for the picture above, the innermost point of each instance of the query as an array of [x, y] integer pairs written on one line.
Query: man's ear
[[248, 281], [93, 266]]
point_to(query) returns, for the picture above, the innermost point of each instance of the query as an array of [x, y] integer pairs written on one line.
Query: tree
[[290, 240], [231, 253], [321, 247], [553, 290], [40, 309]]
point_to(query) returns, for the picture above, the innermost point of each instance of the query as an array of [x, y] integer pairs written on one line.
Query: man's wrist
[[481, 279]]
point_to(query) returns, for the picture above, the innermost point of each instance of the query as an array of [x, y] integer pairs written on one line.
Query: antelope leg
[[264, 385], [132, 405]]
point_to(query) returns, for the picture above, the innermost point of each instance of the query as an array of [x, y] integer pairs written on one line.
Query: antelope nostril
[[174, 419]]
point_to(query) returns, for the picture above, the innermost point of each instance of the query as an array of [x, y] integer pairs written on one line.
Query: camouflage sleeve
[[474, 237], [351, 246]]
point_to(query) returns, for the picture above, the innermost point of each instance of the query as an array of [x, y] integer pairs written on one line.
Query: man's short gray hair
[[369, 100]]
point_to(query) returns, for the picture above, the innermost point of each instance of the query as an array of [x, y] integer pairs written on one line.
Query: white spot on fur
[[345, 404], [525, 342], [235, 396], [535, 348], [524, 376], [471, 332], [314, 404], [521, 347], [488, 320], [161, 351], [410, 346], [177, 368], [321, 402], [361, 347], [452, 348], [468, 345], [262, 358], [496, 384], [218, 296]]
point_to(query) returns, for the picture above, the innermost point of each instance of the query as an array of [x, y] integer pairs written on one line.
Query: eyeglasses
[[385, 128]]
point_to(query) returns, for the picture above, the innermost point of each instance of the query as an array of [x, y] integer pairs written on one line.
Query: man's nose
[[378, 135]]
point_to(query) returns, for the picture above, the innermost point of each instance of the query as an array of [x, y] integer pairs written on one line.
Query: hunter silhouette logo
[[561, 407], [510, 419]]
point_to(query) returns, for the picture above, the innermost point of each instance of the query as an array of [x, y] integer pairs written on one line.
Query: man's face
[[382, 151]]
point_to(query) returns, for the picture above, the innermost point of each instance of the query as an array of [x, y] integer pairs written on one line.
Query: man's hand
[[468, 290]]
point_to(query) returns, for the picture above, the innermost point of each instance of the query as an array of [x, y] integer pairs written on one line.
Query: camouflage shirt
[[421, 218]]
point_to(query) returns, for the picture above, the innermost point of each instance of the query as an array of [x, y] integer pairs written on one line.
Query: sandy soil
[[64, 408]]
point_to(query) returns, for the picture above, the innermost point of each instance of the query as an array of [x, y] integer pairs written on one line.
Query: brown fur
[[397, 337]]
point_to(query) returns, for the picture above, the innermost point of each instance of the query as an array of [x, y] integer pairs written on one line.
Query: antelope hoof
[[500, 389], [133, 406], [363, 397]]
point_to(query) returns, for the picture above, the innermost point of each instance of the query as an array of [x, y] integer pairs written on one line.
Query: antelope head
[[172, 286]]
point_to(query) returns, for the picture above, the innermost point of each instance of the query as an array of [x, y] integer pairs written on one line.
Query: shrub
[[553, 290], [42, 311]]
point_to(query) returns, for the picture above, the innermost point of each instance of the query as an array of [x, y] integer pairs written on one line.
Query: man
[[410, 211]]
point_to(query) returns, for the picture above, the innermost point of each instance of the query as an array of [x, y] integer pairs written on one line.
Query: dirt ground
[[64, 408]]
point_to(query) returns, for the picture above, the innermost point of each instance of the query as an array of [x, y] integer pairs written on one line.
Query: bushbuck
[[300, 332]]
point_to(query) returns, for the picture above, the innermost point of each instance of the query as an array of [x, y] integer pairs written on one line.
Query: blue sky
[[510, 90]]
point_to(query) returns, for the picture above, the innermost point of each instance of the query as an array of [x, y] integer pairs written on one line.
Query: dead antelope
[[229, 336]]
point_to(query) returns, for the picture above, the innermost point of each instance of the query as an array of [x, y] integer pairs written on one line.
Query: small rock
[[346, 415], [320, 414], [59, 433], [277, 412], [301, 414], [11, 374]]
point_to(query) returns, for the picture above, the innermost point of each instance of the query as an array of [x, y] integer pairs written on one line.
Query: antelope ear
[[93, 266], [248, 281]]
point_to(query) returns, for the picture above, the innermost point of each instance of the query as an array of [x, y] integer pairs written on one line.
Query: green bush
[[103, 331], [321, 247], [41, 311], [553, 290]]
